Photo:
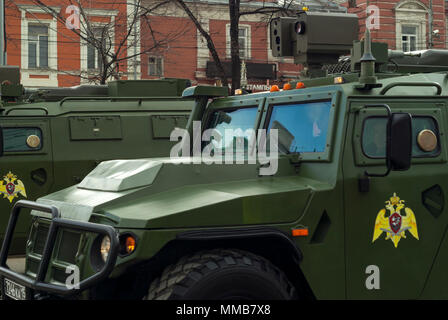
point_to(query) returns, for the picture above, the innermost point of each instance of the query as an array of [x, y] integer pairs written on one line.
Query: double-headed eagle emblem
[[395, 223], [10, 187]]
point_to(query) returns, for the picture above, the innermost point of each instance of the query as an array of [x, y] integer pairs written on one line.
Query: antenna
[[367, 77]]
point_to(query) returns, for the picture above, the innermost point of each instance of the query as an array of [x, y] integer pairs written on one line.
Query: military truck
[[355, 209], [52, 138]]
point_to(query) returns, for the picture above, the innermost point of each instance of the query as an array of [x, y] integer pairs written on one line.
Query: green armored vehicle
[[351, 207], [52, 138]]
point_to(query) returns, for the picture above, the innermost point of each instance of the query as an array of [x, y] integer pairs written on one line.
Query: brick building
[[188, 56], [50, 54], [406, 25]]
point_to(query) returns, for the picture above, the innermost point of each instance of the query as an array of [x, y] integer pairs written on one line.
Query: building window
[[155, 66], [409, 38], [410, 25], [96, 42], [243, 35], [244, 41], [37, 46]]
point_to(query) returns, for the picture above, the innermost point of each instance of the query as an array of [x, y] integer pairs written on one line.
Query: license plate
[[14, 290]]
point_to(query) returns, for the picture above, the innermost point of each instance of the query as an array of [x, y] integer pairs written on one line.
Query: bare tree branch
[[111, 47], [210, 44]]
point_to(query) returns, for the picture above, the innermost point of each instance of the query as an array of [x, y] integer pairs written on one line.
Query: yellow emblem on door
[[10, 187], [395, 223]]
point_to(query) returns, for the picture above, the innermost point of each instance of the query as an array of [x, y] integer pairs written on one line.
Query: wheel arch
[[270, 243], [267, 242]]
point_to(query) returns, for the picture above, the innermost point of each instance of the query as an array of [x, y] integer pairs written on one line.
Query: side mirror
[[399, 141]]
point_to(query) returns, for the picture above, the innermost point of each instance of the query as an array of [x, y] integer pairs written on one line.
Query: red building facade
[[47, 51], [50, 54], [186, 53], [406, 25]]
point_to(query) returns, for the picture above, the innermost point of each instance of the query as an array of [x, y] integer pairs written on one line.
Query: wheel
[[224, 274]]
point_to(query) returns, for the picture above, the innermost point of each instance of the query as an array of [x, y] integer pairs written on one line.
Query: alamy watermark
[[237, 146], [73, 278], [72, 21], [373, 17], [373, 280]]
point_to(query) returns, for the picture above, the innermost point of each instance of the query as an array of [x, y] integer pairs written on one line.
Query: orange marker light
[[299, 232], [130, 244], [287, 86], [339, 80], [274, 88], [300, 85]]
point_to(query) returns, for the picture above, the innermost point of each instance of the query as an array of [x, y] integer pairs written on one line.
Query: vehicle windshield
[[230, 130], [302, 127]]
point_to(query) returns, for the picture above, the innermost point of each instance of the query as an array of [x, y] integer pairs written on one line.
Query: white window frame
[[50, 74], [84, 44], [96, 53], [162, 66], [416, 17], [408, 42], [38, 66], [248, 50], [131, 49]]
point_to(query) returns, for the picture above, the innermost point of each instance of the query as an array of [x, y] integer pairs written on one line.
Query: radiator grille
[[68, 246], [41, 237], [60, 275], [32, 266]]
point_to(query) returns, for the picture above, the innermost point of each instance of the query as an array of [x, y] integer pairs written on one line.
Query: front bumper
[[38, 286]]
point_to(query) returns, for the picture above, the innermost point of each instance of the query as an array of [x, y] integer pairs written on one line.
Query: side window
[[374, 137], [22, 139], [302, 127], [425, 133]]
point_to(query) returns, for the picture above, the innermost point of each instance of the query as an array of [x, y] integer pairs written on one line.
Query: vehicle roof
[[327, 84], [97, 104]]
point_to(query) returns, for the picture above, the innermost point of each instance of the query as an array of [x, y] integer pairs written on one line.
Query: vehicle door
[[394, 224], [26, 170]]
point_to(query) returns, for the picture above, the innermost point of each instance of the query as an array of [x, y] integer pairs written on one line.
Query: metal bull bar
[[38, 283]]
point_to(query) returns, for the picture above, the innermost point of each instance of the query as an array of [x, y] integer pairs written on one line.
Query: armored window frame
[[304, 96], [432, 106], [429, 154], [27, 148], [293, 103], [231, 104], [210, 118]]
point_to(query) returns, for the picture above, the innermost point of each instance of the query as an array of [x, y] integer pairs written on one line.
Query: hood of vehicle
[[163, 192], [120, 175]]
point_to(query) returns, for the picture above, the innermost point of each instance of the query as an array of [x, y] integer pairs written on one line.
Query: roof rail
[[139, 99]]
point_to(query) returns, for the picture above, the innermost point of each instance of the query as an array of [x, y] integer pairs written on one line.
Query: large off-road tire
[[222, 274]]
